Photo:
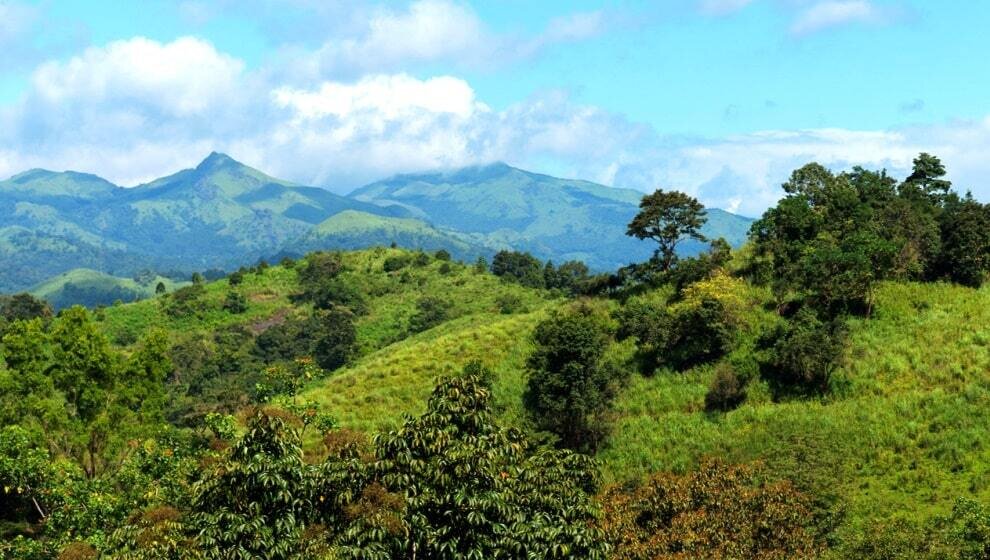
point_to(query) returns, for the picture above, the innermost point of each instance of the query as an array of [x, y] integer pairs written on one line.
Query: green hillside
[[224, 214], [352, 229], [899, 437], [559, 219], [91, 288]]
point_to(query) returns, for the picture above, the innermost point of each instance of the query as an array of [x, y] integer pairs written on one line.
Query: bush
[[442, 255], [395, 263], [445, 269], [235, 302], [421, 259], [727, 390], [804, 353], [430, 312], [522, 268], [508, 303], [236, 278]]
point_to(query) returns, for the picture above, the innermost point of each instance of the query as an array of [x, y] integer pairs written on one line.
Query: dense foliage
[[838, 377]]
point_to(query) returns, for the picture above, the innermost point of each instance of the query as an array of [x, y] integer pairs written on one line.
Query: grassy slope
[[901, 435], [52, 288]]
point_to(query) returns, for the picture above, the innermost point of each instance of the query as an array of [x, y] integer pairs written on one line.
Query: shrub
[[508, 303], [727, 390], [804, 353], [236, 278], [421, 259], [442, 255], [395, 263], [445, 269], [430, 312], [235, 302]]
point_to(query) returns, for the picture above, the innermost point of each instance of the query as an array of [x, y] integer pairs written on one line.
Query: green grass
[[902, 433], [97, 282]]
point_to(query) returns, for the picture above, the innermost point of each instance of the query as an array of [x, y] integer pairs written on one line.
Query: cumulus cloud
[[181, 78], [138, 109], [438, 31], [833, 13]]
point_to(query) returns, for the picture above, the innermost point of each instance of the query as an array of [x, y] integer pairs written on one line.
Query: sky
[[718, 98]]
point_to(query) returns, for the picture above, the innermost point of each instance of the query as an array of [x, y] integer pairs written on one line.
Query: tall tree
[[668, 217], [569, 388]]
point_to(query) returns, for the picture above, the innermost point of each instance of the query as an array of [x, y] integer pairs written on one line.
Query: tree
[[481, 265], [718, 512], [804, 353], [569, 388], [668, 217], [160, 288], [197, 278], [254, 503], [965, 233], [453, 484], [927, 178], [335, 337], [21, 307], [522, 268]]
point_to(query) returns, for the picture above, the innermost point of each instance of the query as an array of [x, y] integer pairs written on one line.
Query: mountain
[[352, 229], [559, 219], [224, 214], [219, 214]]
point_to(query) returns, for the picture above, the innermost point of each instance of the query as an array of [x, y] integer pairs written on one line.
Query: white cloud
[[436, 31], [388, 97], [833, 13], [138, 109], [183, 77]]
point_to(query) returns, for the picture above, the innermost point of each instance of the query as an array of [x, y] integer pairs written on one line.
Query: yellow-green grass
[[378, 390], [904, 432], [267, 292]]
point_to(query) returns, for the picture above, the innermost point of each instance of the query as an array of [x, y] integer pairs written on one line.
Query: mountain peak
[[215, 160]]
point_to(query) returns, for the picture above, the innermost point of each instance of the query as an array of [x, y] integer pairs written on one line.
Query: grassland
[[901, 434]]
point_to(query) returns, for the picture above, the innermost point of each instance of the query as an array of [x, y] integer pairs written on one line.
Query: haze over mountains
[[223, 214]]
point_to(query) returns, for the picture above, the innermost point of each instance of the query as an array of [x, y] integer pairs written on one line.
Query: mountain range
[[224, 214]]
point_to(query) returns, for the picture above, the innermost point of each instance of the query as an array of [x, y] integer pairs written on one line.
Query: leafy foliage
[[668, 217], [717, 512], [570, 387]]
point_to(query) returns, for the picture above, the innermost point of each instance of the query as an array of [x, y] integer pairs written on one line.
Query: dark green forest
[[818, 392]]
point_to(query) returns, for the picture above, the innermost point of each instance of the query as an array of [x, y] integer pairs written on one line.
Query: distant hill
[[224, 214], [83, 286], [352, 229], [559, 219]]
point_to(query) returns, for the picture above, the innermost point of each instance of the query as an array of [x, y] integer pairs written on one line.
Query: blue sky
[[721, 98]]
